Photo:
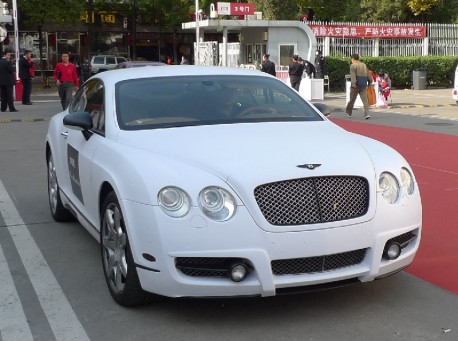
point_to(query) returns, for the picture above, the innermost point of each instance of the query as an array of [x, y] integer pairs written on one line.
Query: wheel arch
[[104, 190]]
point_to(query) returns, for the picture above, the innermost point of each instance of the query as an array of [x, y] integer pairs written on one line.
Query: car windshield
[[161, 102]]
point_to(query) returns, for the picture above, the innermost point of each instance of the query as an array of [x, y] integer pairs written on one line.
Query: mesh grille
[[317, 264], [313, 200]]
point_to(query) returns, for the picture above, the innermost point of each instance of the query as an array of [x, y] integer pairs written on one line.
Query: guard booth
[[279, 38]]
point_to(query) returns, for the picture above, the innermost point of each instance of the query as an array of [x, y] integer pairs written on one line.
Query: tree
[[278, 9], [419, 7], [36, 13]]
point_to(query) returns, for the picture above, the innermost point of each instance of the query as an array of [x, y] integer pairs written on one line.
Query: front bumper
[[152, 233]]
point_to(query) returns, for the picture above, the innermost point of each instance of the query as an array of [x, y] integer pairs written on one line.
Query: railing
[[440, 40]]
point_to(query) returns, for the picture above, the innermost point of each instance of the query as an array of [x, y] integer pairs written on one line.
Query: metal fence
[[440, 40]]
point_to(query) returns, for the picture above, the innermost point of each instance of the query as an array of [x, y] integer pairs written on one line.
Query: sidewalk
[[438, 102]]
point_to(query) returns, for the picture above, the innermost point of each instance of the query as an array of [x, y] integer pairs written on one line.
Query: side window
[[90, 98], [111, 60], [98, 60]]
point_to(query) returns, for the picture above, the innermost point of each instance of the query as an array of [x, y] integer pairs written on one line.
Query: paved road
[[52, 286]]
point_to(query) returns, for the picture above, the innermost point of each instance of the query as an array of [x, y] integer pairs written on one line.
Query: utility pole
[[134, 30]]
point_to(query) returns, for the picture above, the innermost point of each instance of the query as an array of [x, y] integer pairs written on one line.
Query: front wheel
[[118, 265]]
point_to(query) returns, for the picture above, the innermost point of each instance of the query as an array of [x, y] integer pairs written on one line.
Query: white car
[[213, 181]]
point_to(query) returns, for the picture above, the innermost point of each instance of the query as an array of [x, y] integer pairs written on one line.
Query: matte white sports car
[[213, 181]]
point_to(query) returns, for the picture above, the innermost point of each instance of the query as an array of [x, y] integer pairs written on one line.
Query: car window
[[178, 101], [90, 98], [99, 60], [121, 60], [110, 60]]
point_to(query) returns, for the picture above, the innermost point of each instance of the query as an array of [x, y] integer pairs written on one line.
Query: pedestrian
[[319, 64], [309, 69], [267, 65], [85, 69], [296, 69], [384, 84], [26, 72], [360, 78], [66, 79], [7, 82], [184, 60]]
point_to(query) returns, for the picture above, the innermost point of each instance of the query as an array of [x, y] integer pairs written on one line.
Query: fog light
[[392, 250], [238, 272]]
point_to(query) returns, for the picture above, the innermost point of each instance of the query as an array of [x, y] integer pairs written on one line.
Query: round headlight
[[217, 203], [389, 187], [174, 201], [407, 180]]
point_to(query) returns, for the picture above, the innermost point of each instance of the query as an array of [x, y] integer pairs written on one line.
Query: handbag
[[371, 97]]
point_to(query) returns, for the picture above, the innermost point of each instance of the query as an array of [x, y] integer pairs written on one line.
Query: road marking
[[13, 323], [61, 317]]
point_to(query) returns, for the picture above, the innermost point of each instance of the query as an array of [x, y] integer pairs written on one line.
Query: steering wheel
[[256, 111]]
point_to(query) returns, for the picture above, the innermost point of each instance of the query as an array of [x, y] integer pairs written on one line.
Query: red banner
[[242, 8], [369, 31]]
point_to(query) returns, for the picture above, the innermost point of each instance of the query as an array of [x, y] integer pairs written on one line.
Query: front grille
[[313, 200], [317, 264]]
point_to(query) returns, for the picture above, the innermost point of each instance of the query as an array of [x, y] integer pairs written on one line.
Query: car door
[[79, 150]]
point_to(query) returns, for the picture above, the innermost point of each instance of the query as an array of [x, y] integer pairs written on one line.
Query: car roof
[[175, 71], [141, 63], [108, 55]]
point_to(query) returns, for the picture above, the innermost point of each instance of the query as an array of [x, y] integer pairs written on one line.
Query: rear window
[[163, 102]]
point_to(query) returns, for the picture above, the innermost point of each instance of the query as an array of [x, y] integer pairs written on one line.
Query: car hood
[[248, 155], [263, 151]]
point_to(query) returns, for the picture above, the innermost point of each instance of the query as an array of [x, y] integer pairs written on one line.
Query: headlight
[[407, 181], [389, 186], [217, 203], [174, 201]]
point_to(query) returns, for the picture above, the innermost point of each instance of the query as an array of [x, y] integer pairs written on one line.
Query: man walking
[[267, 65], [360, 78], [7, 81], [25, 74], [66, 79]]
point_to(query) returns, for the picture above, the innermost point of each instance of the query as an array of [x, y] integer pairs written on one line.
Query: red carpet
[[435, 164]]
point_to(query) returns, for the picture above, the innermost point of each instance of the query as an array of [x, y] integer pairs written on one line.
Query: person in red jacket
[[66, 79]]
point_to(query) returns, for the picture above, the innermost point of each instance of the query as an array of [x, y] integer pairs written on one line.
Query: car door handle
[[64, 133]]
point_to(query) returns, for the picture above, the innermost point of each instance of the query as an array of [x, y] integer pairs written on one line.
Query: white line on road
[[62, 319], [13, 323]]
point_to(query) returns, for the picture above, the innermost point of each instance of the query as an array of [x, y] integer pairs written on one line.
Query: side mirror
[[80, 121], [323, 108]]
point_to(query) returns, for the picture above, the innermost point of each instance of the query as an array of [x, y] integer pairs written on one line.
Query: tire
[[118, 264], [58, 211]]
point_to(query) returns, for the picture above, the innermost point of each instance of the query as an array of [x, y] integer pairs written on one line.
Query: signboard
[[369, 31], [234, 8]]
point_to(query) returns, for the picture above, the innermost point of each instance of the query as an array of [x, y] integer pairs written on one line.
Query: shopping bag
[[371, 97]]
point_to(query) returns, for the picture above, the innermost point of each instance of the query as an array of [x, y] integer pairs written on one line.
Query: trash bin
[[419, 79], [358, 102]]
